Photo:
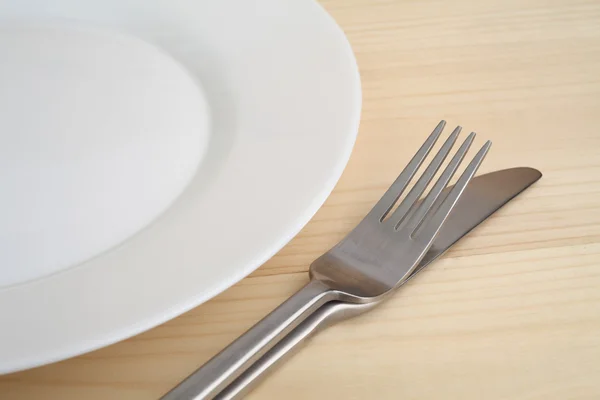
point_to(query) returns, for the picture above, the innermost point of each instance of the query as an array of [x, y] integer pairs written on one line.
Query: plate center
[[100, 132]]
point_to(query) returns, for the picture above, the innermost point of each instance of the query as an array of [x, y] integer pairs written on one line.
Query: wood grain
[[513, 311]]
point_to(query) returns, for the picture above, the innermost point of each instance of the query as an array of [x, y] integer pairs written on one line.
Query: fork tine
[[387, 201], [442, 182], [411, 199], [431, 224]]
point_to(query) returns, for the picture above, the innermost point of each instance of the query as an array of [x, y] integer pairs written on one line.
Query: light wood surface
[[512, 311]]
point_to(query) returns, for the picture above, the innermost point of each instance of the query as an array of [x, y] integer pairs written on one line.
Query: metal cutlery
[[483, 196], [375, 258]]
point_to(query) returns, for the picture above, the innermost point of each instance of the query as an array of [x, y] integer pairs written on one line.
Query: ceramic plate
[[277, 93]]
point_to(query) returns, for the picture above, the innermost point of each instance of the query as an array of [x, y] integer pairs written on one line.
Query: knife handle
[[325, 316], [214, 376]]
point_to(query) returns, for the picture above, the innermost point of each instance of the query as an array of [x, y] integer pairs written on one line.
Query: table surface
[[512, 311]]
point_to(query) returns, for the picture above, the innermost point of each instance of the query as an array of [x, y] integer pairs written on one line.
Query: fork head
[[385, 247]]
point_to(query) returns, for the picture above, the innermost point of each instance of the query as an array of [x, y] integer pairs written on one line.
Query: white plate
[[283, 91]]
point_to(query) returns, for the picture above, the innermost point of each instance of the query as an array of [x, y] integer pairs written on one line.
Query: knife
[[483, 196]]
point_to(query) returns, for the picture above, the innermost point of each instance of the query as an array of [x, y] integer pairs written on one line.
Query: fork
[[366, 266]]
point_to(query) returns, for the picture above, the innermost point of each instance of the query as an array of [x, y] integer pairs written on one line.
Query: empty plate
[[155, 153]]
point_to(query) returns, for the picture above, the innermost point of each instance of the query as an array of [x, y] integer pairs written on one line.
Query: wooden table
[[513, 310]]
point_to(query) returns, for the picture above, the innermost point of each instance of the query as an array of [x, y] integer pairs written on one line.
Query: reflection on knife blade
[[483, 196]]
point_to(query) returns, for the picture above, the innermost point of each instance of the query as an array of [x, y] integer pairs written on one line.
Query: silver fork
[[367, 265]]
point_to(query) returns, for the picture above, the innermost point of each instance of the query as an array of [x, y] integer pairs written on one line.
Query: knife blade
[[483, 196]]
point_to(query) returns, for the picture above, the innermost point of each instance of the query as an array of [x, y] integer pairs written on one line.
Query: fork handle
[[207, 381], [327, 315]]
